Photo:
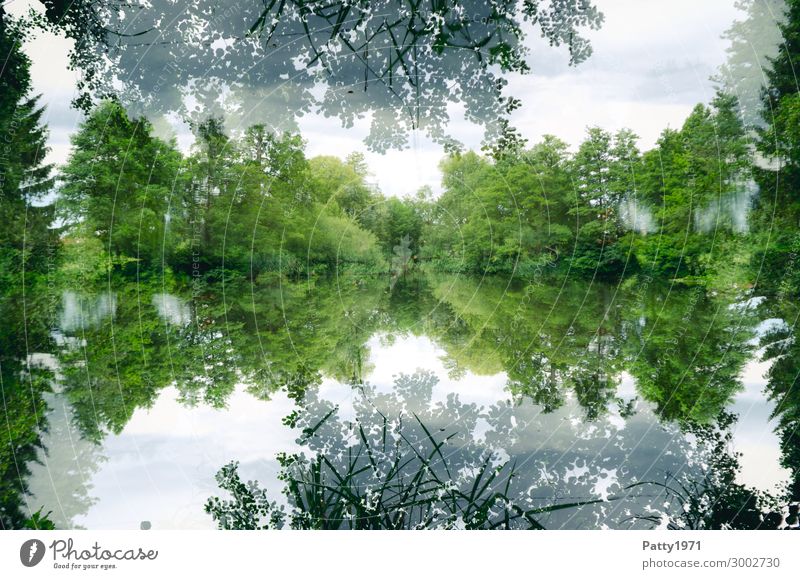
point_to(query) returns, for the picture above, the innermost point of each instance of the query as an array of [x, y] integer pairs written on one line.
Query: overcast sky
[[651, 64]]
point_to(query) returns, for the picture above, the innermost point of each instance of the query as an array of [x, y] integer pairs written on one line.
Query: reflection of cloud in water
[[61, 482], [161, 467], [81, 311], [754, 434], [407, 354], [729, 211], [172, 309], [636, 216], [558, 456]]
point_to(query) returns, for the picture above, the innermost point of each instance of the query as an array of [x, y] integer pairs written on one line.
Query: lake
[[609, 400]]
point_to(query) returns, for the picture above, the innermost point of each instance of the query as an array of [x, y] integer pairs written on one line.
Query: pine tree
[[26, 240]]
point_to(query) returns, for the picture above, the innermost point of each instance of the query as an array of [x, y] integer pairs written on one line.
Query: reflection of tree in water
[[711, 498], [404, 62], [287, 336], [783, 349], [467, 466], [269, 337], [61, 479], [685, 352], [348, 59], [115, 364], [570, 440], [27, 251], [23, 407]]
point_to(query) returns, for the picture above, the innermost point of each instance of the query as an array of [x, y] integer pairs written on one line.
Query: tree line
[[255, 202], [712, 195]]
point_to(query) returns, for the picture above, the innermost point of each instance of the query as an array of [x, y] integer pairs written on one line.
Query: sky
[[651, 65]]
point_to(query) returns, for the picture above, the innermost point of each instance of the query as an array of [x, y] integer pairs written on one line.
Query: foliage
[[606, 210], [249, 205], [39, 521], [220, 232], [715, 500], [28, 255], [117, 184], [753, 42]]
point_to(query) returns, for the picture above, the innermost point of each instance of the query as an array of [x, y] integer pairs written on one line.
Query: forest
[[712, 209], [685, 210], [706, 198]]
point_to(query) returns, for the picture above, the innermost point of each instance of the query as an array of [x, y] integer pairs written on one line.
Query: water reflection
[[172, 309], [67, 465], [557, 458], [81, 311], [600, 399]]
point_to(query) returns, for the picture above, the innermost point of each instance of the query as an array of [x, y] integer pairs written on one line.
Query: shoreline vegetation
[[683, 211]]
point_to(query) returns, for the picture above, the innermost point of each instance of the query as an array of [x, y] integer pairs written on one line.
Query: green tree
[[28, 254], [117, 185], [753, 42], [696, 183]]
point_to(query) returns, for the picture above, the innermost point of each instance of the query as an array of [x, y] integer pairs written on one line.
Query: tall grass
[[384, 480]]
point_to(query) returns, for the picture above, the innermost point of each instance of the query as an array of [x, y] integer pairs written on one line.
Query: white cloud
[[651, 64]]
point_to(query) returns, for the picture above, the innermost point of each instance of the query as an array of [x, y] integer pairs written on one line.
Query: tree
[[117, 185], [753, 42], [777, 207], [342, 184], [696, 184], [782, 78], [779, 136], [25, 178], [28, 254]]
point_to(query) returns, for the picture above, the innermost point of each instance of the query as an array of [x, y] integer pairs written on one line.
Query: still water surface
[[585, 387]]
